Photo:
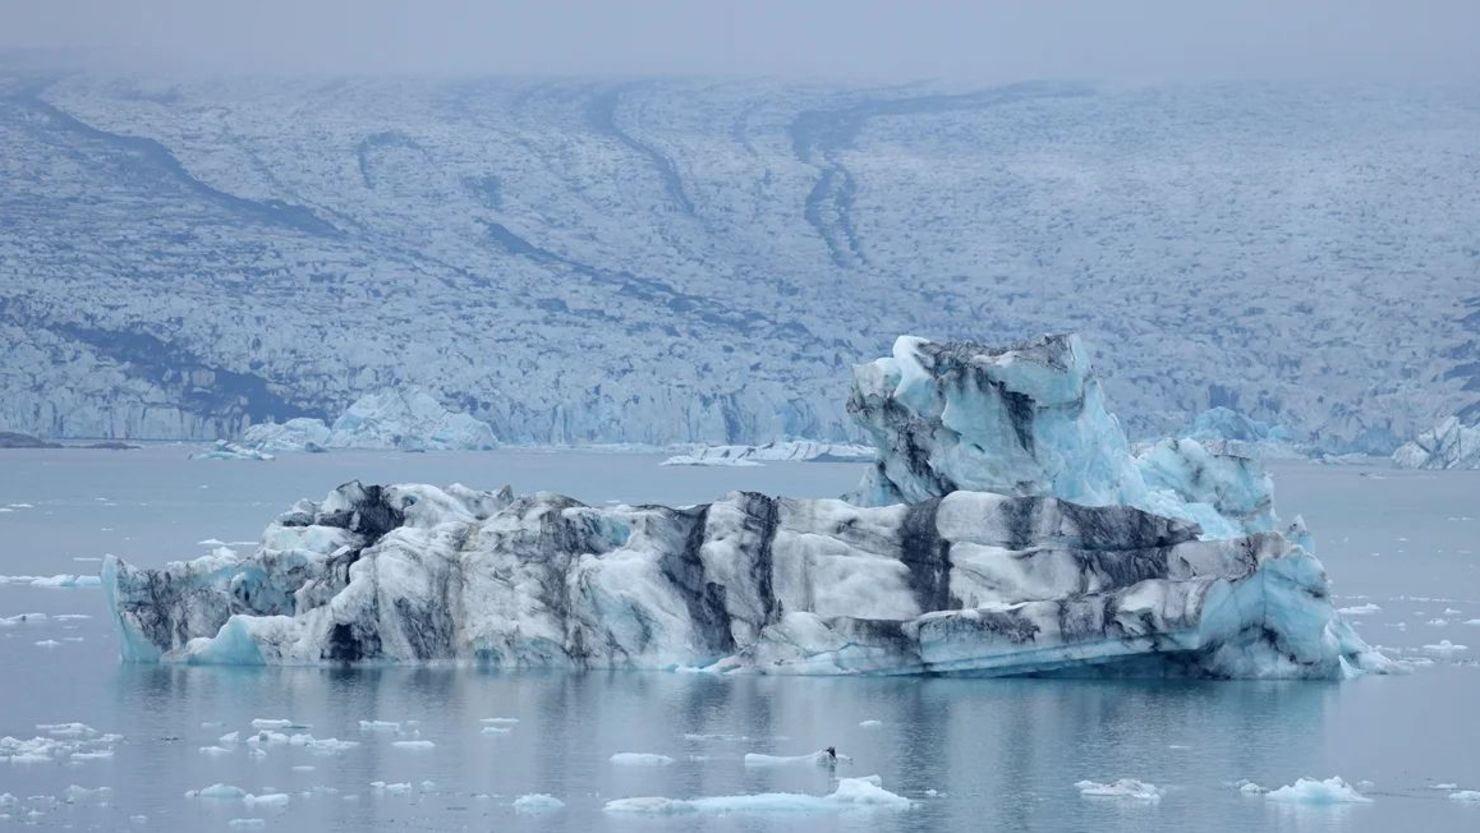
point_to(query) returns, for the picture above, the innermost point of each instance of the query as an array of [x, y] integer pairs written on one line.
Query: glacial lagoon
[[455, 749]]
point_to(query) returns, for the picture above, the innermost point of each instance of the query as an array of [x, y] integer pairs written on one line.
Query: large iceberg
[[409, 420], [1449, 445], [1006, 530]]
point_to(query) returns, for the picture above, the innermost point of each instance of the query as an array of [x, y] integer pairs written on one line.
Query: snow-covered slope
[[951, 580], [698, 261]]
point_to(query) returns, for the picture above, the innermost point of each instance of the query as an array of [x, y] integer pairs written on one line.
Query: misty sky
[[985, 40]]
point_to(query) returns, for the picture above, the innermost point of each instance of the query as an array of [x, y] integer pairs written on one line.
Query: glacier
[[408, 420], [1449, 445], [1005, 529], [661, 261]]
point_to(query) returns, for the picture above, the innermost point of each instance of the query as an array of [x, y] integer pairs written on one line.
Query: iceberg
[[1232, 432], [851, 795], [1004, 529], [227, 450], [1449, 445], [297, 434], [406, 420]]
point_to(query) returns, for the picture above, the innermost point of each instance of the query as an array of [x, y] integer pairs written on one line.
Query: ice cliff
[[1005, 530], [1449, 445]]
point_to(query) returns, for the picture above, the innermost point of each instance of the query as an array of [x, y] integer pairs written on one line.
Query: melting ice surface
[[970, 754], [1005, 529]]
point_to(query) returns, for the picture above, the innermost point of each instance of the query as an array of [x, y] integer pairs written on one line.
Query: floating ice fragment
[[535, 803], [1445, 648], [23, 619], [640, 759], [851, 794], [1128, 788], [820, 758], [400, 788], [380, 726], [495, 730], [413, 744], [75, 793], [229, 737], [246, 824], [268, 800], [1472, 796], [214, 751], [225, 792], [499, 721], [48, 643], [1444, 786], [267, 723], [870, 724], [1333, 790], [1360, 610]]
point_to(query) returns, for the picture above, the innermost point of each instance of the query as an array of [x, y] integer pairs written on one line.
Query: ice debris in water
[[246, 823], [274, 723], [214, 751], [870, 724], [224, 792], [535, 803], [1446, 648], [399, 788], [23, 619], [818, 758], [380, 726], [499, 721], [1466, 795], [1128, 788], [268, 800], [65, 743], [413, 744], [62, 580], [851, 794], [1360, 610], [1333, 790], [75, 793], [640, 759]]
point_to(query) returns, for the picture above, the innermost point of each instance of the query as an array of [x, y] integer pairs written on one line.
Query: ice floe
[[536, 803], [1127, 788], [1333, 790], [851, 794], [640, 759]]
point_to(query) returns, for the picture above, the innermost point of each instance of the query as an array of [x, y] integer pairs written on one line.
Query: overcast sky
[[984, 40]]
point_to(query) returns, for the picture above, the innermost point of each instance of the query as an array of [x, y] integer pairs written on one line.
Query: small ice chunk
[[23, 619], [48, 643], [225, 792], [1333, 790], [380, 726], [413, 744], [820, 758], [1472, 796], [400, 788], [271, 723], [495, 730], [499, 721], [71, 617], [870, 724], [1128, 788], [1472, 621], [1360, 610], [1444, 786], [1445, 648], [852, 794], [304, 768], [246, 824], [214, 751], [536, 803], [75, 793], [229, 737], [268, 800], [640, 759]]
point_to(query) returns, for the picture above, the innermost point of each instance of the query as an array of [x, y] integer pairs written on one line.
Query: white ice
[[851, 794], [640, 759], [1127, 788], [1311, 791], [536, 803]]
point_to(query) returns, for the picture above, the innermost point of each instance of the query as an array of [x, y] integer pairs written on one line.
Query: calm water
[[978, 755]]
